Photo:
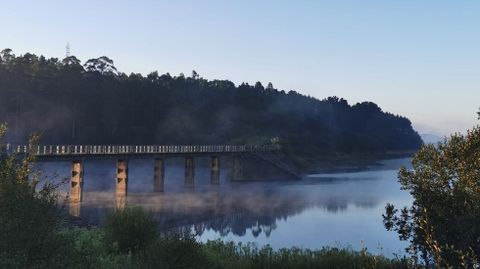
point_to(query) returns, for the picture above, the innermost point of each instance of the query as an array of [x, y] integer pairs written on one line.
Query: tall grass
[[183, 251], [231, 255], [130, 229]]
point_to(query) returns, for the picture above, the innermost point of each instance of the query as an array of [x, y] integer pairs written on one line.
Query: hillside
[[93, 103]]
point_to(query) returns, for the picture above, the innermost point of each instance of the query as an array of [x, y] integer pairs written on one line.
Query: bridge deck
[[73, 150]]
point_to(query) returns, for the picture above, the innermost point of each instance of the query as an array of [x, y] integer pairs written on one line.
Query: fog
[[241, 211]]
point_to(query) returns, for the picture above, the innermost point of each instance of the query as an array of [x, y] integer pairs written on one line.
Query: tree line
[[93, 103]]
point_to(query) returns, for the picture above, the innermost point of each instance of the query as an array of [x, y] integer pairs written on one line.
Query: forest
[[70, 102]]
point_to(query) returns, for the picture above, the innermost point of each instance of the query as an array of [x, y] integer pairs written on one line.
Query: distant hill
[[431, 138], [71, 103]]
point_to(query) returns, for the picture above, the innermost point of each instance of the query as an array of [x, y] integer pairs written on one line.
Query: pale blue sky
[[420, 59]]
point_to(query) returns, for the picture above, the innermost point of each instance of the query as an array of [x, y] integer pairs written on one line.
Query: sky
[[419, 59]]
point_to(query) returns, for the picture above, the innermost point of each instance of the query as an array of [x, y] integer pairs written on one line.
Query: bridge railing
[[59, 150]]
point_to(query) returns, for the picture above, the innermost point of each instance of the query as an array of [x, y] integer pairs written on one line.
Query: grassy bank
[[129, 239], [91, 249]]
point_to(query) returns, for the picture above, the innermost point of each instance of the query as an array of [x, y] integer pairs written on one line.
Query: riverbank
[[344, 162], [91, 249], [129, 239]]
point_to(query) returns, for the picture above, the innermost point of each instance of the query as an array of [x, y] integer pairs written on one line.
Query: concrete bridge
[[78, 153], [89, 150]]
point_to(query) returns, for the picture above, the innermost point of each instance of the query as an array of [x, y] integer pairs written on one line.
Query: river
[[341, 209]]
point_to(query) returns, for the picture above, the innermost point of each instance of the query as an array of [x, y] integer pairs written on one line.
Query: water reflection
[[234, 209], [222, 211], [320, 210], [74, 208]]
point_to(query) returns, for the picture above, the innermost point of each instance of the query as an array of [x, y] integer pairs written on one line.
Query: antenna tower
[[67, 50]]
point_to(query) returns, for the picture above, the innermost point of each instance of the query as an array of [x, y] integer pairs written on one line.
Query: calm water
[[335, 209]]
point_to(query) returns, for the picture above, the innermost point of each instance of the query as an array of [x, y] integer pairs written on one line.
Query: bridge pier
[[74, 209], [158, 175], [215, 173], [76, 182], [121, 183], [237, 167], [189, 171]]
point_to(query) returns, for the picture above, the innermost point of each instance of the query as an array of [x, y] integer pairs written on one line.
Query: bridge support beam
[[158, 175], [121, 183], [76, 188], [237, 168], [74, 209], [215, 173], [76, 182], [189, 171]]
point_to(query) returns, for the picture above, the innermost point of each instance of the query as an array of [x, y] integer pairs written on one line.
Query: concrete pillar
[[74, 208], [237, 168], [76, 182], [189, 172], [120, 201], [121, 183], [159, 175], [215, 174]]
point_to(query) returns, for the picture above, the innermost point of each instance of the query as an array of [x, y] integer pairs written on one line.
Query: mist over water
[[334, 209]]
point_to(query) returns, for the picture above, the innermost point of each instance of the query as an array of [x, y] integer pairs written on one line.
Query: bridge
[[78, 153], [89, 150]]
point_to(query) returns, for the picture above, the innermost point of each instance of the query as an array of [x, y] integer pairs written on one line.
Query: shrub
[[90, 251], [29, 217], [175, 252], [130, 229]]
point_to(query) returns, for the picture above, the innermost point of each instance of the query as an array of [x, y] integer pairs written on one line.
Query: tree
[[6, 55], [103, 65], [269, 86], [153, 76], [71, 61], [442, 225], [259, 86], [195, 75]]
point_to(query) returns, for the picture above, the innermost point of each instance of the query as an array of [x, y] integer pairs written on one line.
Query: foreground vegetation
[[443, 223], [94, 250]]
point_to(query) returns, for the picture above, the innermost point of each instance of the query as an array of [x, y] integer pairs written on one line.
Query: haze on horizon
[[416, 59]]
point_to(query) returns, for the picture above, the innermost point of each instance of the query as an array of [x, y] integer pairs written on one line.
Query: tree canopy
[[442, 225], [94, 103]]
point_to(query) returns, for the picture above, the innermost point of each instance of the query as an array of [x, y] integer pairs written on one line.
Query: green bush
[[29, 217], [175, 252], [90, 251], [130, 229]]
